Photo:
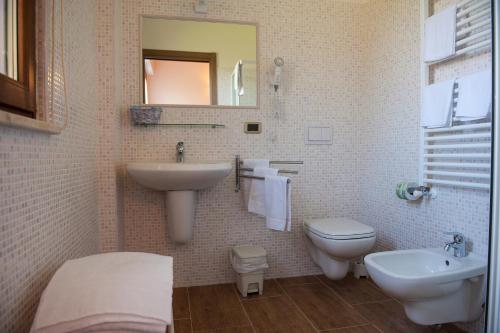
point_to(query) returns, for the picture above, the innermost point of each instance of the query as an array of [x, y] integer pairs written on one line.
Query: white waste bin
[[249, 262]]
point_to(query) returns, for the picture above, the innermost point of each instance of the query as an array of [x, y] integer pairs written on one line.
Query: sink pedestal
[[180, 215], [181, 181]]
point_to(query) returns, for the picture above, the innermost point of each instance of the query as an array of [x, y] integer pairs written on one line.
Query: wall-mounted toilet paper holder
[[422, 191]]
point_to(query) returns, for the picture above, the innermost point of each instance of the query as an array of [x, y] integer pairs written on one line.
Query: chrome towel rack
[[239, 169]]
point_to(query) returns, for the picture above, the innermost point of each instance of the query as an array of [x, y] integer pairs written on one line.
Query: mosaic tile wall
[[320, 84], [389, 137], [108, 117], [48, 184]]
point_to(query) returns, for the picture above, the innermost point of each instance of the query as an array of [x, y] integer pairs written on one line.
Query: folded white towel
[[474, 96], [437, 104], [257, 198], [246, 183], [278, 203], [119, 291], [439, 35]]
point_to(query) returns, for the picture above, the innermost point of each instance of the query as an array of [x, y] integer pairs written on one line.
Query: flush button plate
[[253, 127], [317, 134]]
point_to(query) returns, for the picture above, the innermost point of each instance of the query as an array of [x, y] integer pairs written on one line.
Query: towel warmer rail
[[459, 155], [239, 169], [448, 159]]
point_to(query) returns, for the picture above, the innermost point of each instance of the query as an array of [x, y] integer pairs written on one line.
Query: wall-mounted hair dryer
[[278, 67]]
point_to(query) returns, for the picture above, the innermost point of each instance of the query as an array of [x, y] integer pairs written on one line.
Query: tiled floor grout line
[[244, 310], [248, 300], [296, 305], [352, 306], [336, 294], [344, 327], [189, 309]]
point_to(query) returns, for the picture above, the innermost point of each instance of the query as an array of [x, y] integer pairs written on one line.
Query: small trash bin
[[249, 262]]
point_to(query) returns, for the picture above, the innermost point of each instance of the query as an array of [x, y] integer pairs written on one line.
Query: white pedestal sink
[[180, 181]]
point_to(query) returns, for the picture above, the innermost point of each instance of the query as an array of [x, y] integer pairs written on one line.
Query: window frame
[[19, 96], [205, 57]]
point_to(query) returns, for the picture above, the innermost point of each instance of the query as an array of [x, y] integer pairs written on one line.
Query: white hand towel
[[257, 198], [437, 104], [246, 183], [278, 203], [439, 35], [474, 96]]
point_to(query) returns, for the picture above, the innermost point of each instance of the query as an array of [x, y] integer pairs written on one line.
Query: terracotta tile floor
[[298, 304]]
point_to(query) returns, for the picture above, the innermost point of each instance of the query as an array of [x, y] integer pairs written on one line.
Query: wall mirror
[[199, 63]]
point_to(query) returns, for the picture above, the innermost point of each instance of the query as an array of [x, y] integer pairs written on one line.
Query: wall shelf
[[183, 125]]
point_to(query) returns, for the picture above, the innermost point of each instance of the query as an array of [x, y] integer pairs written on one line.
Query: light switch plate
[[317, 134], [254, 127]]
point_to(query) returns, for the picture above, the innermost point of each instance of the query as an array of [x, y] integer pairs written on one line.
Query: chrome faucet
[[458, 244], [180, 152]]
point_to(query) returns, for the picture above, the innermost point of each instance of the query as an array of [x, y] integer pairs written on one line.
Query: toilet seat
[[338, 228]]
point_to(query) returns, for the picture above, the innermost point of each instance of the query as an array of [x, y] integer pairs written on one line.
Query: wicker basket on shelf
[[145, 115]]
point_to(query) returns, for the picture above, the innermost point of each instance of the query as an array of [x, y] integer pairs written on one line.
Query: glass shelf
[[182, 125]]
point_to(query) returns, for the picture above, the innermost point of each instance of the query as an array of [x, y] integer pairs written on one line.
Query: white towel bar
[[482, 186], [475, 47], [485, 24], [464, 145], [459, 156], [462, 11], [458, 174], [485, 33], [485, 135], [459, 128], [460, 165], [486, 13]]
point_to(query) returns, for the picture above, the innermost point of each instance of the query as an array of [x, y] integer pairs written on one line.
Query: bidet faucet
[[458, 244], [180, 152]]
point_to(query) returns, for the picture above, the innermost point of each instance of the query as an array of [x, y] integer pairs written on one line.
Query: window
[[175, 77], [17, 57]]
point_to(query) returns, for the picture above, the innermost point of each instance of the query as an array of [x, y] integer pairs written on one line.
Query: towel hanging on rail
[[257, 198], [439, 35], [250, 163], [437, 104], [474, 96], [278, 203]]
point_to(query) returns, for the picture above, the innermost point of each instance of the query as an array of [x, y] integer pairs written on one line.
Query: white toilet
[[332, 242]]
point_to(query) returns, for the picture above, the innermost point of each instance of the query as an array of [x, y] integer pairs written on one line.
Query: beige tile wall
[[48, 184], [109, 120]]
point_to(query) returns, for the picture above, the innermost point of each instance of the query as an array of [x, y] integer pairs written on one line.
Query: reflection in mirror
[[199, 63], [8, 38]]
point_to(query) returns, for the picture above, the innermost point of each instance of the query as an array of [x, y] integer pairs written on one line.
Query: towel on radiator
[[437, 104], [120, 291], [440, 34], [474, 96], [278, 204]]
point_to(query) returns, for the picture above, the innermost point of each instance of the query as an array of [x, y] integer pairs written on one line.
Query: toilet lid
[[339, 228]]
